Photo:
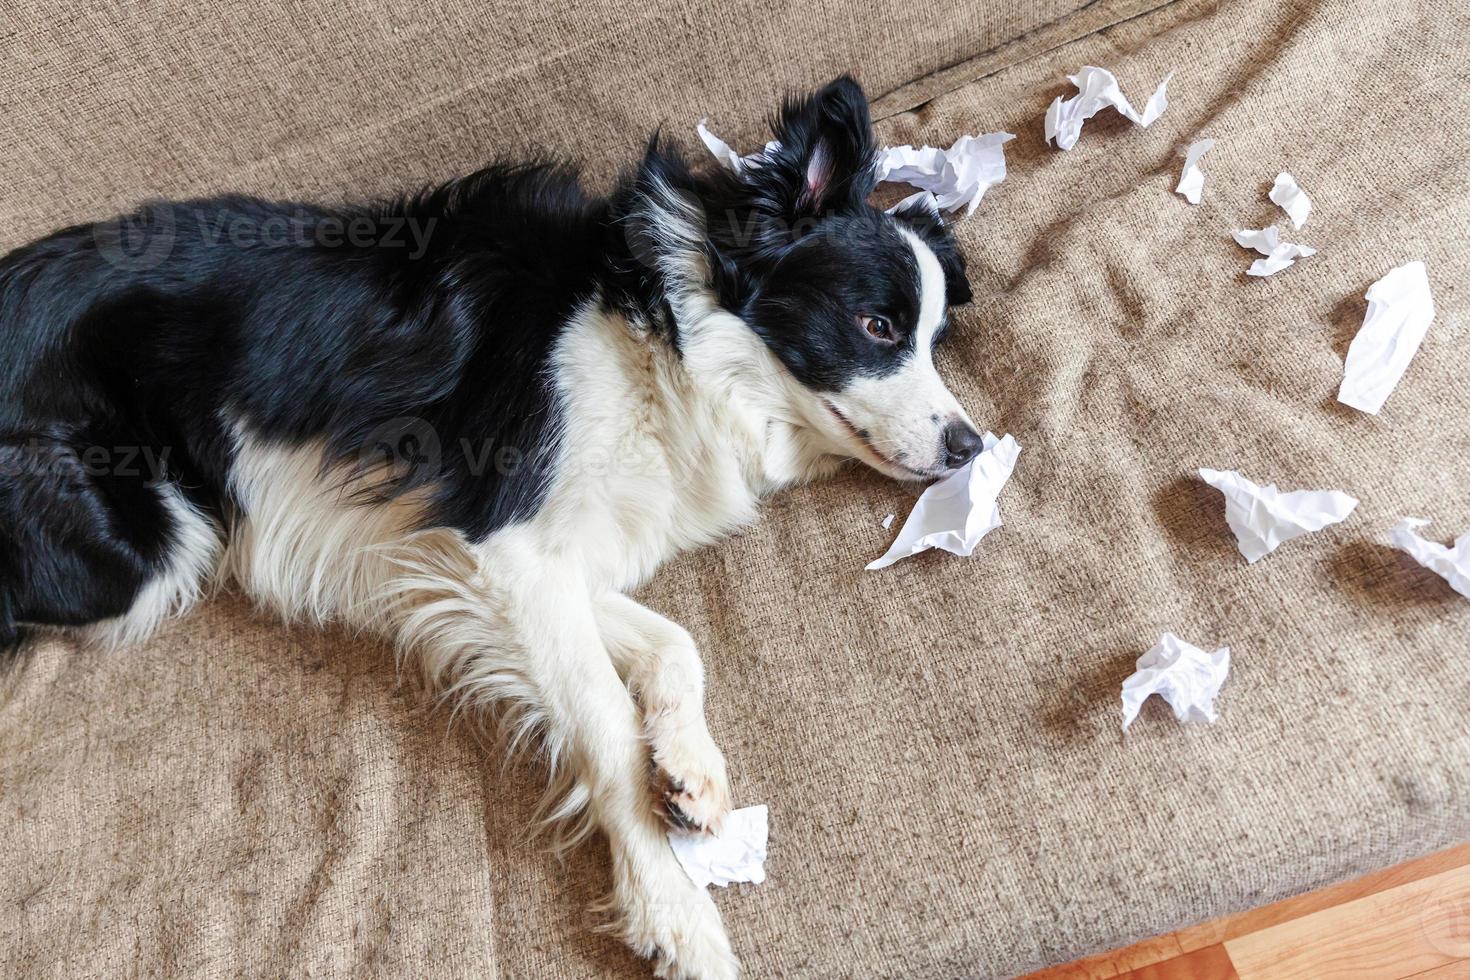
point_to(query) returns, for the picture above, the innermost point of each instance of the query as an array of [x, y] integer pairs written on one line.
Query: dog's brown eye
[[877, 327]]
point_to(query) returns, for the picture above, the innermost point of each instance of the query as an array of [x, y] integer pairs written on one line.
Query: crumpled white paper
[[1291, 198], [738, 854], [723, 152], [1279, 254], [954, 513], [1263, 518], [1400, 310], [1096, 90], [1181, 673], [1192, 180], [957, 177], [1450, 563], [930, 202]]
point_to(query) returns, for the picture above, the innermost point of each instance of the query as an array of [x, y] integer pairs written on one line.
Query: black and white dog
[[473, 439]]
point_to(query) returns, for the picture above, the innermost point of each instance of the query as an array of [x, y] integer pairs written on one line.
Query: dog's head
[[850, 300]]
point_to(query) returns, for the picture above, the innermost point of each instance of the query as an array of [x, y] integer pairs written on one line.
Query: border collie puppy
[[474, 442]]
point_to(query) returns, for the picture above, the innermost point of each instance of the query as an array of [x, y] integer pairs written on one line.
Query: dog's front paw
[[680, 930], [689, 779]]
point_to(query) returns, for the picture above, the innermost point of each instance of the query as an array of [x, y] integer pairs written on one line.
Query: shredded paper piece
[[1278, 254], [1450, 564], [1192, 180], [1291, 198], [955, 178], [723, 152], [888, 521], [738, 854], [1182, 674], [1400, 310], [1263, 518], [1096, 90], [930, 201], [957, 511]]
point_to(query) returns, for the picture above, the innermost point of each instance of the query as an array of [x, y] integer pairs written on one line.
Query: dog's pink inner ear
[[818, 176]]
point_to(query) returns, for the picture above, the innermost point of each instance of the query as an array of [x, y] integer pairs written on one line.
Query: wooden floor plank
[[1210, 963], [1105, 966], [1388, 935], [1450, 971], [1254, 920]]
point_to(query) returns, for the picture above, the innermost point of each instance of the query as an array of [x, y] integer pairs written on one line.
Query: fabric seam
[[920, 101]]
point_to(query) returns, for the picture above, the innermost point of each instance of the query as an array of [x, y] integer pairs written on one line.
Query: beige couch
[[938, 742]]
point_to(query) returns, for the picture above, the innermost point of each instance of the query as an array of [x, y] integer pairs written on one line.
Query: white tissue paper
[[1400, 309], [888, 521], [1278, 254], [1450, 564], [1183, 674], [738, 854], [1292, 199], [957, 511], [1192, 180], [957, 177], [1096, 90], [930, 202], [1263, 519], [723, 152]]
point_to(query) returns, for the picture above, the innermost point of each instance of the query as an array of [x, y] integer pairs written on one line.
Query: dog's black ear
[[825, 160], [921, 216]]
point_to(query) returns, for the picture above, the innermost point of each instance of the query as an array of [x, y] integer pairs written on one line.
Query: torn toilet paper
[[723, 152], [1192, 180], [1400, 309], [1291, 198], [1450, 564], [1278, 254], [1183, 674], [931, 203], [1096, 90], [957, 511], [1263, 519], [957, 177], [738, 854]]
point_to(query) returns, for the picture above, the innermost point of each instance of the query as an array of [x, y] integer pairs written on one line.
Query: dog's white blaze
[[932, 292], [904, 413]]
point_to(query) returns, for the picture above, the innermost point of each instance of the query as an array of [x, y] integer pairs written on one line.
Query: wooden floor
[[1408, 921]]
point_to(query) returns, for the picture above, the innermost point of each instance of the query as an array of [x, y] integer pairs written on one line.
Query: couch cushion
[[938, 742]]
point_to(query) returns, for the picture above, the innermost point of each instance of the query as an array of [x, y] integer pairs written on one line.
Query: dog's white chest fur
[[662, 450]]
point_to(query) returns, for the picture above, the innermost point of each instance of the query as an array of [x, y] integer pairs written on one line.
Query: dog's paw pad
[[698, 812], [690, 785]]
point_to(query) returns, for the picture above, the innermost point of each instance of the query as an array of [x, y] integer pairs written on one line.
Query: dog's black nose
[[961, 444]]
